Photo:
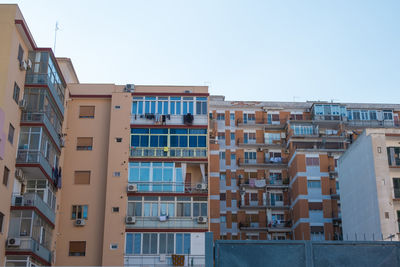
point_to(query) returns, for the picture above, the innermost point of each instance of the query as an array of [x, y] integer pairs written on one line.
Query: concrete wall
[[358, 194]]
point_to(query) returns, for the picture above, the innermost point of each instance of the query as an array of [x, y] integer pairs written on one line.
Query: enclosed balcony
[[54, 128], [32, 200], [30, 233], [279, 226], [164, 222], [169, 152], [275, 162], [45, 73]]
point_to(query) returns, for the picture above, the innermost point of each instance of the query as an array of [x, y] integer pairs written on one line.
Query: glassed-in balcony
[[165, 222], [28, 245], [169, 152], [33, 200], [170, 187], [53, 128]]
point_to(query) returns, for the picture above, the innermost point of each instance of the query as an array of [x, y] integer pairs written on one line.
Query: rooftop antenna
[[55, 37]]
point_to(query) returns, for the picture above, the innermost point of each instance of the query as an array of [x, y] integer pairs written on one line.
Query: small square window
[[118, 139], [386, 215], [117, 107], [115, 209], [113, 246], [84, 143], [116, 174], [86, 112], [1, 222], [20, 53]]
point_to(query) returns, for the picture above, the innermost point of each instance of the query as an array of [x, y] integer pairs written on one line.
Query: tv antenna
[[55, 37]]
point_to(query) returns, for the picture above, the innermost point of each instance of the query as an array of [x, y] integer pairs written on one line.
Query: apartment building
[[135, 187], [32, 112], [273, 165], [370, 186]]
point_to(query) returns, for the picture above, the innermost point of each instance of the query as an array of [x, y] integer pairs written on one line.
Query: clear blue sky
[[348, 51]]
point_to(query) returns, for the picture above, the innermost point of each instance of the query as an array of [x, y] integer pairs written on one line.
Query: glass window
[[16, 93], [313, 184]]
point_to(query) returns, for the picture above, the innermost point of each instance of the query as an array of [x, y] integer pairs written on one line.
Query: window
[[396, 187], [398, 219], [232, 116], [187, 105], [84, 143], [199, 209], [273, 119], [222, 219], [312, 161], [1, 222], [222, 176], [232, 137], [220, 116], [5, 176], [221, 155], [16, 93], [175, 105], [388, 115], [115, 209], [79, 212], [372, 115], [201, 105], [86, 112], [233, 158], [249, 117], [11, 130], [113, 246], [221, 136], [304, 130], [313, 184], [250, 156], [271, 138], [157, 243], [20, 53], [77, 248], [118, 139], [222, 196], [393, 156], [82, 177]]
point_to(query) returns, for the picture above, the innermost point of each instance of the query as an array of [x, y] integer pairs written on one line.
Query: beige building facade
[[370, 186]]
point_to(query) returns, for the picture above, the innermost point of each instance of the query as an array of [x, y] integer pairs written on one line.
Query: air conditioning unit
[[130, 219], [80, 222], [29, 64], [201, 186], [259, 149], [19, 174], [132, 188], [13, 242], [62, 142], [129, 88], [331, 175], [23, 65], [201, 219], [22, 104], [188, 91]]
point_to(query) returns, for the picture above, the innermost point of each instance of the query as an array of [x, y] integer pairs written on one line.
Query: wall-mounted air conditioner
[[80, 222], [201, 219], [130, 219], [132, 188], [13, 242], [201, 186]]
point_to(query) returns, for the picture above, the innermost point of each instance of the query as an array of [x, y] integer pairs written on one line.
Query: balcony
[[335, 118], [279, 226], [158, 119], [33, 200], [251, 123], [334, 194], [35, 165], [164, 222], [56, 91], [277, 205], [156, 260], [275, 163], [170, 187], [252, 227], [253, 144], [169, 152], [53, 129], [29, 245], [372, 124]]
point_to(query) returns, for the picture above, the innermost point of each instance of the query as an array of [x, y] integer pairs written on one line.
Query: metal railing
[[169, 152], [57, 93], [167, 222], [54, 128], [31, 245], [33, 200], [372, 123], [178, 187], [165, 260], [29, 156]]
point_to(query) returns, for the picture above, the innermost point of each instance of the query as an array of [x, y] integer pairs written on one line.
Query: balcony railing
[[30, 245], [164, 222], [170, 187], [56, 92], [33, 200], [327, 117], [168, 119], [29, 156], [279, 226], [53, 128], [276, 162], [169, 152], [372, 123]]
